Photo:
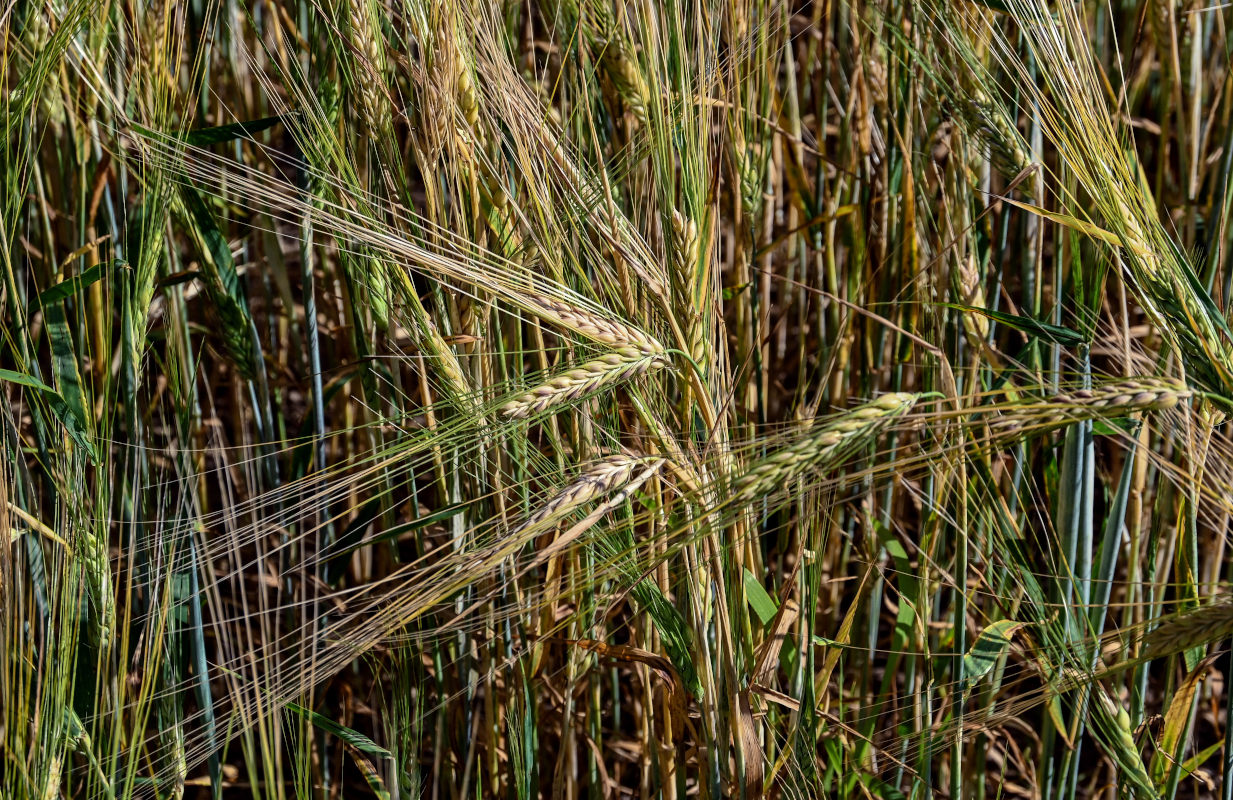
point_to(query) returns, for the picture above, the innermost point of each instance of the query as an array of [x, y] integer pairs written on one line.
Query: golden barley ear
[[600, 479], [601, 329], [369, 68], [608, 370]]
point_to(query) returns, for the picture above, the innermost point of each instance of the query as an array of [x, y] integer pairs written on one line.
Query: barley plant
[[587, 399]]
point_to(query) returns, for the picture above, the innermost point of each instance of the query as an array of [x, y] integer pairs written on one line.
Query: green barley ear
[[1113, 722], [1197, 627], [146, 231], [964, 86], [621, 66], [221, 281], [36, 36], [366, 270], [1104, 401], [1076, 117], [685, 255], [373, 279], [96, 564], [823, 448], [996, 130], [750, 169]]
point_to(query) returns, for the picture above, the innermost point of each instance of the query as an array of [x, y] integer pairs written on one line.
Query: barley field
[[590, 399]]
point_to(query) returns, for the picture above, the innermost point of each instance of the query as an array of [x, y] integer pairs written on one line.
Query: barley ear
[[1195, 628], [369, 50], [601, 478], [607, 370], [1105, 401], [823, 448]]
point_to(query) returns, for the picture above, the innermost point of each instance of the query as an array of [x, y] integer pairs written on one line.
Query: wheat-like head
[[370, 58], [1194, 628], [607, 370], [823, 447], [604, 476], [1108, 400], [622, 69], [593, 326], [685, 254]]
